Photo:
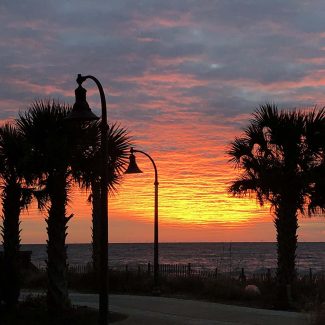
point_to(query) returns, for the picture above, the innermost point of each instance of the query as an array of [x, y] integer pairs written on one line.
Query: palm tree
[[52, 145], [87, 171], [14, 197], [279, 165]]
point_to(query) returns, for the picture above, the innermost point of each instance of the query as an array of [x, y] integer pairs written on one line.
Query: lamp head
[[133, 167], [81, 110]]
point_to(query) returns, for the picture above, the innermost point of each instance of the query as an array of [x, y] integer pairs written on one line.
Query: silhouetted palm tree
[[14, 197], [279, 164], [87, 171], [52, 145]]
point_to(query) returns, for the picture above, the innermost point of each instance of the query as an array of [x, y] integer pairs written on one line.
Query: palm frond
[[87, 167], [279, 154]]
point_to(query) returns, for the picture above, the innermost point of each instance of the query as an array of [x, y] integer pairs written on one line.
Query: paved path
[[145, 310]]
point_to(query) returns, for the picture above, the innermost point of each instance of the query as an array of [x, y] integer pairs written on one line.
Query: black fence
[[193, 270]]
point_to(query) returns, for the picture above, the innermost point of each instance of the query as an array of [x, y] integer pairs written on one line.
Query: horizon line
[[178, 242]]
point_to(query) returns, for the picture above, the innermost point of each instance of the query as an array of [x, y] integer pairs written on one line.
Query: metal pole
[[156, 262], [103, 263], [156, 227]]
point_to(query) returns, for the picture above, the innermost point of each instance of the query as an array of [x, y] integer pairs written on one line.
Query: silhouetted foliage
[[14, 197], [60, 152], [281, 155], [52, 144], [87, 171], [315, 138], [42, 154]]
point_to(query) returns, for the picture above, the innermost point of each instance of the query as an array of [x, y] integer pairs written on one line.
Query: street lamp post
[[134, 169], [82, 112]]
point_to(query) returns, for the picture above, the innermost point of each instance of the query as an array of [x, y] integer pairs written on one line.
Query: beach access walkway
[[145, 310]]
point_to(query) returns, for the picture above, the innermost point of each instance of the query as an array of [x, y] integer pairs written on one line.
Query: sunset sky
[[183, 77]]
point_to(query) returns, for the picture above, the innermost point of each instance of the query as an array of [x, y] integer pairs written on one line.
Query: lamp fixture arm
[[156, 239], [152, 161], [81, 79]]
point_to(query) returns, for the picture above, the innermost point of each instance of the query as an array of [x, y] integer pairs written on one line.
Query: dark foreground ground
[[147, 310]]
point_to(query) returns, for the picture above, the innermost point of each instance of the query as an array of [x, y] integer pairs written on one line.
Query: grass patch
[[33, 311], [306, 293]]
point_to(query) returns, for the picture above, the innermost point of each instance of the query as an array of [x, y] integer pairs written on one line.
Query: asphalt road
[[143, 310]]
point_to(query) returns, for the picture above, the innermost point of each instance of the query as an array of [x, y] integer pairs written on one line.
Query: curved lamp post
[[82, 112], [134, 169]]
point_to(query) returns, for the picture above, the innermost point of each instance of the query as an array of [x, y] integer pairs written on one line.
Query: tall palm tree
[[87, 171], [14, 197], [52, 145], [279, 164]]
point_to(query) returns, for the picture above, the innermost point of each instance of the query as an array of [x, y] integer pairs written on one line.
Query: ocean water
[[253, 257]]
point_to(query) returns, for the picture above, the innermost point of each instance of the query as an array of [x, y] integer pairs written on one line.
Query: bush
[[306, 293], [32, 311]]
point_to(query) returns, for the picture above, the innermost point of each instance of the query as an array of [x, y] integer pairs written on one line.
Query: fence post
[[216, 273], [310, 274], [268, 275], [139, 270], [189, 269], [242, 276], [149, 268], [126, 273]]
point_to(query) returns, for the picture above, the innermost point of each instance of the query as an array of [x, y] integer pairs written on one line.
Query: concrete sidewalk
[[145, 310]]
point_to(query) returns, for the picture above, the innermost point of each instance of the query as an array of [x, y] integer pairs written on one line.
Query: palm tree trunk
[[286, 223], [57, 292], [11, 243], [96, 213]]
